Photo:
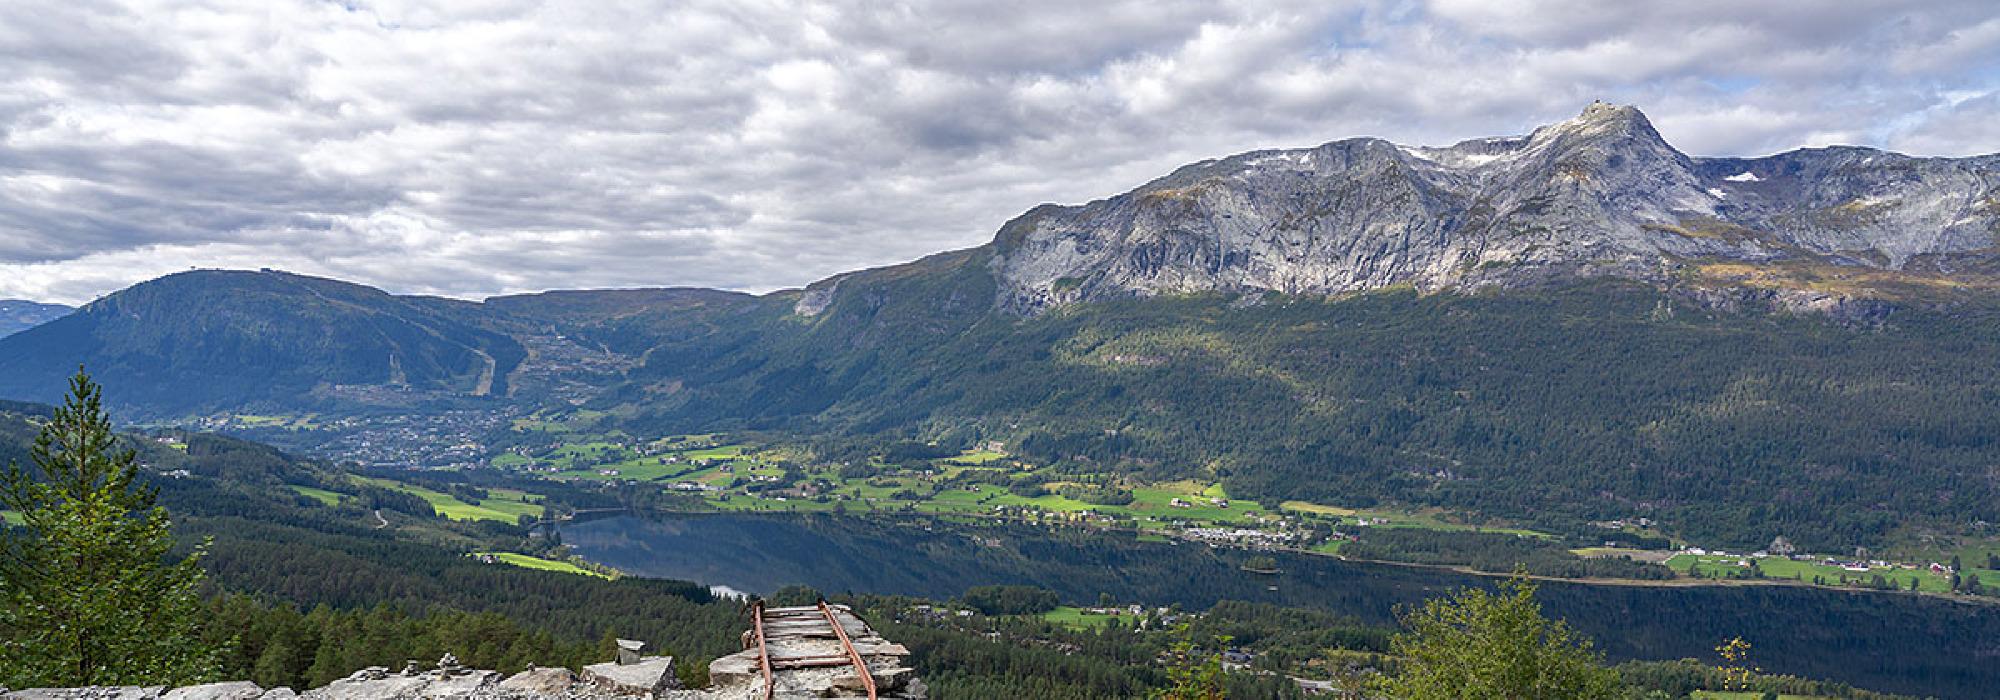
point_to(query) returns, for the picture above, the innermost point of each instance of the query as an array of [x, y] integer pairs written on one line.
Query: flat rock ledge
[[233, 690], [652, 677], [808, 661]]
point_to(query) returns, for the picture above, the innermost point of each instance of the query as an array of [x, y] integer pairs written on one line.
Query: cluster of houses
[[1849, 565], [1623, 523], [1240, 536], [449, 439], [1184, 503], [930, 612]]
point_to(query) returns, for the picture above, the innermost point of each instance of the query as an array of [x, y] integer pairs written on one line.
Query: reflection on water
[[1885, 642]]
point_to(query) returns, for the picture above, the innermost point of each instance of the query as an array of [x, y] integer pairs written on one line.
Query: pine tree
[[1486, 646], [86, 594], [1194, 674], [273, 667]]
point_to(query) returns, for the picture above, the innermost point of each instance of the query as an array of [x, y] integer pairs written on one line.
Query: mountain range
[[1581, 321], [1600, 194], [18, 315]]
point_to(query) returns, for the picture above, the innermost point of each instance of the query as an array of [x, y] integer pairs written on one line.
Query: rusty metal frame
[[764, 652], [860, 664]]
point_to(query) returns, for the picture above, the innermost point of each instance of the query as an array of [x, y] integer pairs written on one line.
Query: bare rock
[[126, 692], [651, 675], [234, 690], [461, 684], [361, 686], [1601, 194], [540, 681]]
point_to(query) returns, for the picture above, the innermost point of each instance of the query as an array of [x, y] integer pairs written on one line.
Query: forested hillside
[[1733, 423], [196, 341]]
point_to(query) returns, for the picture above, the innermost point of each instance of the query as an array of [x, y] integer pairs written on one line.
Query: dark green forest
[[1552, 406]]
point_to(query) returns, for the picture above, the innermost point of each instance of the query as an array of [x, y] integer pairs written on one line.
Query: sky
[[479, 147]]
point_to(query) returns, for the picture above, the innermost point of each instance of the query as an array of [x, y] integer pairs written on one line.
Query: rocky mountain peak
[[1607, 117], [1600, 193]]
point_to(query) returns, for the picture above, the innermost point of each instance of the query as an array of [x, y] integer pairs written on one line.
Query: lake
[[1889, 642]]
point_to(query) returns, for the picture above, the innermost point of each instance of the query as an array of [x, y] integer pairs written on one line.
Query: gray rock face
[[540, 681], [646, 676], [1601, 194], [128, 692], [236, 690]]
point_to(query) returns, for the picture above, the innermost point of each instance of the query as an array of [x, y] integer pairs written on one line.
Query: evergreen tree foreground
[[87, 596], [1480, 645]]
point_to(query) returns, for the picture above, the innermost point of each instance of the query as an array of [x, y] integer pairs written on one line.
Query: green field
[[504, 505], [1781, 568], [588, 459], [591, 457], [10, 517], [322, 495], [1395, 518], [563, 422], [304, 422], [1152, 506], [976, 458], [528, 562], [1077, 618], [510, 461]]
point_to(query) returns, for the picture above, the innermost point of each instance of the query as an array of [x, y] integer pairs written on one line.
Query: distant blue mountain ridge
[[18, 315]]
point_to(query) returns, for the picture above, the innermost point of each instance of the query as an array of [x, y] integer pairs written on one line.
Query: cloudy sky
[[484, 146]]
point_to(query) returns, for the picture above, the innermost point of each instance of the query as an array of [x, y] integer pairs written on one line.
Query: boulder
[[651, 675], [540, 681], [361, 686]]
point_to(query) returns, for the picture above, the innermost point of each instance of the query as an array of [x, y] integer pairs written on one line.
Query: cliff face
[[1602, 193]]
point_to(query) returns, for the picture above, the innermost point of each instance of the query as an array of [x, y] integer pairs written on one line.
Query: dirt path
[[485, 385]]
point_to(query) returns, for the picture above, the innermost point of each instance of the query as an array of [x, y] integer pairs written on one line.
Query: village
[[719, 473]]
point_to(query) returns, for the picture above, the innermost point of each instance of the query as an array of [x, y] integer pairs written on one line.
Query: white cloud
[[506, 145]]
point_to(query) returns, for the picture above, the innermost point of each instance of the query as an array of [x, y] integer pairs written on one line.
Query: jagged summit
[[1601, 193], [1601, 126]]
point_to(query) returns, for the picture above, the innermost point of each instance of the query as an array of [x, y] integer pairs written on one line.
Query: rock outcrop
[[235, 690], [1600, 194], [734, 677]]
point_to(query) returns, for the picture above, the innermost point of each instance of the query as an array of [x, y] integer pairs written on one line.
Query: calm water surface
[[1897, 643]]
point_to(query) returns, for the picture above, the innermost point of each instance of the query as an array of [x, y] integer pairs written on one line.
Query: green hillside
[[199, 340], [1555, 406]]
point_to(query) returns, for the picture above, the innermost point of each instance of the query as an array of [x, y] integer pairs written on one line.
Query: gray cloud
[[513, 145]]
